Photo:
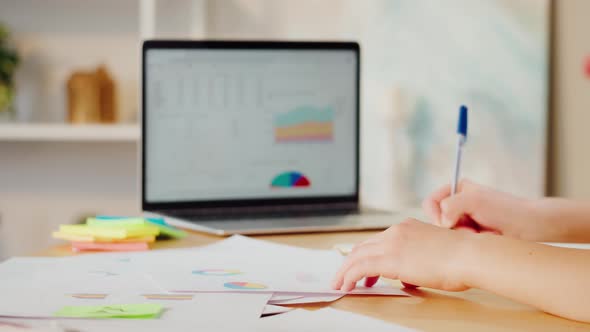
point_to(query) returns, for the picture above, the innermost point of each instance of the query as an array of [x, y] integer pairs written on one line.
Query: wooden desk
[[427, 310]]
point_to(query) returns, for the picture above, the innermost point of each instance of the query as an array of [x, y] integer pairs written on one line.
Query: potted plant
[[8, 62]]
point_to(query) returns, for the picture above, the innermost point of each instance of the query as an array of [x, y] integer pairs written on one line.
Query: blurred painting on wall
[[425, 58], [421, 60]]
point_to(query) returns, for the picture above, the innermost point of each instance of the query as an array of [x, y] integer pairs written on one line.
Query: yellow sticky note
[[85, 230], [136, 230], [72, 237], [88, 238]]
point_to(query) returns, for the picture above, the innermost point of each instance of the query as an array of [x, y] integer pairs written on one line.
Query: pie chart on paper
[[243, 285], [290, 180]]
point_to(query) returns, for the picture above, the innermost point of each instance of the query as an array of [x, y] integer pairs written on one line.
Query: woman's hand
[[481, 209], [413, 252]]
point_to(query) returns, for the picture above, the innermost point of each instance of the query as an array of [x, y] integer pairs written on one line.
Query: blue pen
[[462, 132]]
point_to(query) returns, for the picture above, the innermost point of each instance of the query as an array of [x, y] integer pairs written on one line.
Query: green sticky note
[[169, 230], [137, 311]]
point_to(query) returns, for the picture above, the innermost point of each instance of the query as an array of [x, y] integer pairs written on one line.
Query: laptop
[[253, 137]]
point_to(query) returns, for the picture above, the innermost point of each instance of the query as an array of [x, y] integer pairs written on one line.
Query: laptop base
[[371, 220]]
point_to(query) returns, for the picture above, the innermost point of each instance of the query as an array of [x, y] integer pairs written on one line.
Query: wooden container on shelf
[[83, 98], [92, 97], [108, 98]]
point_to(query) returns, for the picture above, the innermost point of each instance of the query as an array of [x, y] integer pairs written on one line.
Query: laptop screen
[[246, 124]]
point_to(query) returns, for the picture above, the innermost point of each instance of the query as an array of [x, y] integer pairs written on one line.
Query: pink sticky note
[[93, 246]]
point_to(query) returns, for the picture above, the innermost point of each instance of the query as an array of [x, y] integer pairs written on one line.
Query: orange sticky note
[[96, 246]]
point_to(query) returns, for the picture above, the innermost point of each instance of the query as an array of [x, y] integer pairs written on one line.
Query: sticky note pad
[[137, 311], [132, 228]]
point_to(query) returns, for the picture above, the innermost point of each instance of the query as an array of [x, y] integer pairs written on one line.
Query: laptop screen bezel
[[320, 201]]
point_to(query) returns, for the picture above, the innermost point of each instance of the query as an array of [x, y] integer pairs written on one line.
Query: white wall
[[43, 185]]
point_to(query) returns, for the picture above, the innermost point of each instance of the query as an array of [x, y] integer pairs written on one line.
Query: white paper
[[205, 312], [267, 266], [37, 286], [583, 246], [284, 297], [298, 320], [326, 320], [272, 267], [73, 275], [209, 308]]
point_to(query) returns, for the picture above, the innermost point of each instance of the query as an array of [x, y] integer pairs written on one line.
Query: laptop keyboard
[[273, 215]]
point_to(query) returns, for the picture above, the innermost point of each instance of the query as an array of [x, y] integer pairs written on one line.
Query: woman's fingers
[[368, 267], [458, 208], [359, 255], [431, 204]]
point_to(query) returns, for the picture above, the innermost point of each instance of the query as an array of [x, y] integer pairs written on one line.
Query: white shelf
[[33, 132]]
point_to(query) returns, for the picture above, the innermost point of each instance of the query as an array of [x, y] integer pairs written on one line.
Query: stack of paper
[[105, 233], [295, 321], [194, 287]]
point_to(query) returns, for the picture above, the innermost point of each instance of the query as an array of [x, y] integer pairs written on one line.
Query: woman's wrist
[[468, 259]]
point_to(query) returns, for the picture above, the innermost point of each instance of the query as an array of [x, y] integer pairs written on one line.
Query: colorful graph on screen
[[305, 124], [290, 180]]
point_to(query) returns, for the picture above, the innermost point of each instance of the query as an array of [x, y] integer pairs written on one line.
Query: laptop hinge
[[303, 209]]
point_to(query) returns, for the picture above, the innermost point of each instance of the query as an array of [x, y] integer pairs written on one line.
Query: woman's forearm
[[552, 279], [562, 219]]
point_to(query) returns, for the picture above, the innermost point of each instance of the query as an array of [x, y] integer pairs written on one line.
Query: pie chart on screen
[[290, 180], [243, 285]]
